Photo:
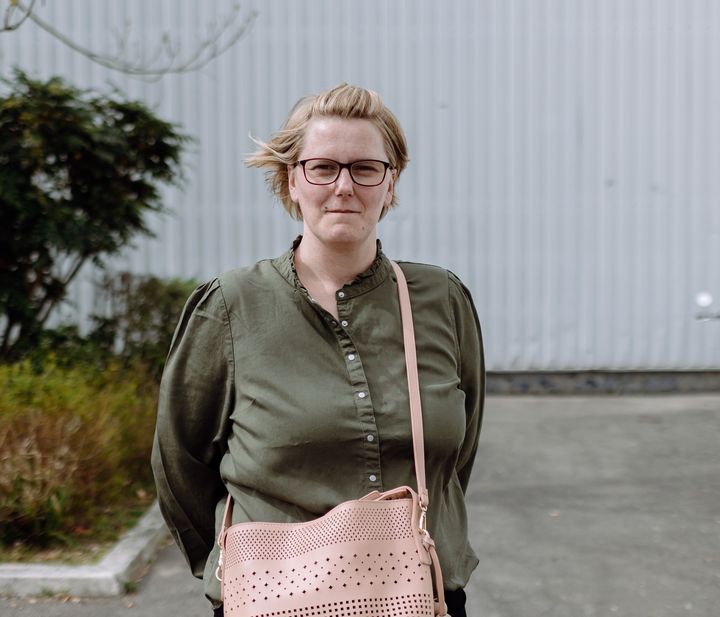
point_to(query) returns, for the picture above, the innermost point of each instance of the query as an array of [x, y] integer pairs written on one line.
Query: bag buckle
[[422, 524]]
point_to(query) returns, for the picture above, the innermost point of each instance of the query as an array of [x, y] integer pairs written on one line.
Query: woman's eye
[[323, 166], [367, 170]]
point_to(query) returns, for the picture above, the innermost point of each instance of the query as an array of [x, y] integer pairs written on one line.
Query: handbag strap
[[417, 431], [413, 385]]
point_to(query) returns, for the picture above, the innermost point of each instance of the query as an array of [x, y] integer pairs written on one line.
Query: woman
[[285, 382]]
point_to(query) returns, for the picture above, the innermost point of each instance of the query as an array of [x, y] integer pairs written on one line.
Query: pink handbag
[[368, 557]]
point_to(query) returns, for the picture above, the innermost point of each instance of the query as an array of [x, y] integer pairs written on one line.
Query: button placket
[[360, 392]]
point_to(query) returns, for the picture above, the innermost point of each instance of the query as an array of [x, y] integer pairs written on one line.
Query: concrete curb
[[110, 577]]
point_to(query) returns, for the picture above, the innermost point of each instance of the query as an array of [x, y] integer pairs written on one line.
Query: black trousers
[[455, 601]]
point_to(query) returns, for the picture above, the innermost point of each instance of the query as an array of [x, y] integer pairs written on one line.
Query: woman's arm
[[196, 398], [471, 369]]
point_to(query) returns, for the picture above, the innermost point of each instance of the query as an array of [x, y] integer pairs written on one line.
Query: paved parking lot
[[580, 507]]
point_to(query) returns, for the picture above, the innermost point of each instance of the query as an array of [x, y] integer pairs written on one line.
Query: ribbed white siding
[[565, 153]]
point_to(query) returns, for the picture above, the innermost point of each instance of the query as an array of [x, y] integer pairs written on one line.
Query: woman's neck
[[324, 269]]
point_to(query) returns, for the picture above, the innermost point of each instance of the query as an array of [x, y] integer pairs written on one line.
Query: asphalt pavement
[[594, 506]]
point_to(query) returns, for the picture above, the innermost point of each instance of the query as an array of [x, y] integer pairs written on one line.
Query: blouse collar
[[363, 282]]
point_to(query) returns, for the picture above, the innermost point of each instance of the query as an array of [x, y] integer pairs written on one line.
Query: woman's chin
[[348, 233]]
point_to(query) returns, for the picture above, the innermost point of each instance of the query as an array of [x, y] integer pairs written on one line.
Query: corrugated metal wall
[[565, 153]]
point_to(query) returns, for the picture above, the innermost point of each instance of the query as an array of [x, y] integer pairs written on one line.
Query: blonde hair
[[343, 101]]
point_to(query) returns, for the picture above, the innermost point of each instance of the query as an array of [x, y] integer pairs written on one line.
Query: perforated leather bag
[[370, 557]]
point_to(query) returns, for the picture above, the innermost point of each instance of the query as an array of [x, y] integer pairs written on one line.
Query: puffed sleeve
[[196, 397], [471, 367]]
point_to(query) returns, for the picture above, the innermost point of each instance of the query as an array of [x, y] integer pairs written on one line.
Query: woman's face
[[342, 214]]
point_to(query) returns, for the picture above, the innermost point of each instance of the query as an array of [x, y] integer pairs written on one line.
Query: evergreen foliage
[[79, 174]]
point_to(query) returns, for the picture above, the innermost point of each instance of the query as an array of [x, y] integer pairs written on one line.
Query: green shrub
[[66, 347], [77, 415], [136, 326], [143, 313], [74, 440]]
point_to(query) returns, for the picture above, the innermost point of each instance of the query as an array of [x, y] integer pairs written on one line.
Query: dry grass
[[74, 443]]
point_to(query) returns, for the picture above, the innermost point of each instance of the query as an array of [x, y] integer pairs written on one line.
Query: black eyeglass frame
[[342, 166]]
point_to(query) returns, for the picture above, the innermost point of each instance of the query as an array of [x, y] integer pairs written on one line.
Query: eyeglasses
[[325, 171]]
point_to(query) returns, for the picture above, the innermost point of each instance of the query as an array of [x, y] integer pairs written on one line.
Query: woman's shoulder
[[421, 269], [430, 274], [246, 275], [432, 282], [213, 291]]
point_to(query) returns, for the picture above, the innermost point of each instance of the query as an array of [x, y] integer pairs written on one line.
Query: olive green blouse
[[267, 396]]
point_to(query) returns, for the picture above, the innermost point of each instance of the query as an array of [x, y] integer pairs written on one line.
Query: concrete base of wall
[[602, 382]]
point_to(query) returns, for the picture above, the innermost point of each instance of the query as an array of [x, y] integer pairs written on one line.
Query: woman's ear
[[292, 187], [391, 189]]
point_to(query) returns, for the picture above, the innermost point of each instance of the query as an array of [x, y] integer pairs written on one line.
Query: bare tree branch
[[222, 35], [49, 304], [13, 6]]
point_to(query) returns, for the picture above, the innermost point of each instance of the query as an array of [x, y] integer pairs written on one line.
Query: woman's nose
[[344, 183]]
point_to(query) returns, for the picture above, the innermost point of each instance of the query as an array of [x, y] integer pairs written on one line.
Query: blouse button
[[362, 394], [371, 438], [372, 477], [341, 294], [351, 356], [344, 323]]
